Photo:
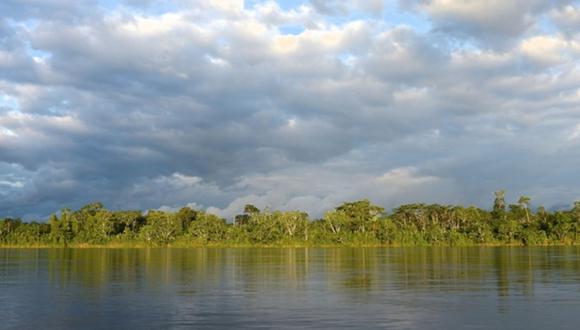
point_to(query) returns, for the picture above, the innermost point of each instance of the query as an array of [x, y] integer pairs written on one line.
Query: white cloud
[[545, 50], [322, 188]]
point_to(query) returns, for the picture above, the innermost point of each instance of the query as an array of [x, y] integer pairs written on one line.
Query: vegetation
[[353, 223]]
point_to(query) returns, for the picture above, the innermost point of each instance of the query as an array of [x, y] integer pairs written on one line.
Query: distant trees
[[15, 231], [358, 222]]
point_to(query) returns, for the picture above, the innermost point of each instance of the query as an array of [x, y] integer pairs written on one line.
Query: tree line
[[352, 223]]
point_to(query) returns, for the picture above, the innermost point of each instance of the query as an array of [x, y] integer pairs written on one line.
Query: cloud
[[567, 18], [292, 190], [222, 103], [493, 22], [338, 7]]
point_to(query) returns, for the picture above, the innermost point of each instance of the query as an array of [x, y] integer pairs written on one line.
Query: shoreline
[[272, 246]]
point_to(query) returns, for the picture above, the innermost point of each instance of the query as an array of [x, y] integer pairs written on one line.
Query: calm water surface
[[363, 288]]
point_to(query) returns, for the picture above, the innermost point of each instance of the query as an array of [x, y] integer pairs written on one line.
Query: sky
[[302, 104]]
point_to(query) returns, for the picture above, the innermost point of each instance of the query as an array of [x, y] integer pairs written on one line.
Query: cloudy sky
[[294, 104]]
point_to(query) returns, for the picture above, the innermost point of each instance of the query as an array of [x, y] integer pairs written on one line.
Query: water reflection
[[399, 287]]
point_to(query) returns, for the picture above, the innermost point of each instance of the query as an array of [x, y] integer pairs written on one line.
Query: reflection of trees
[[187, 270], [353, 268], [259, 270], [473, 269], [271, 268]]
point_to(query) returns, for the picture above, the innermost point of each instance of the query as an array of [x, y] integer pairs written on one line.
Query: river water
[[291, 288]]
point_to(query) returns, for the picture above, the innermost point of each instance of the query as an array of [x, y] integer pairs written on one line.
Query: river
[[291, 288]]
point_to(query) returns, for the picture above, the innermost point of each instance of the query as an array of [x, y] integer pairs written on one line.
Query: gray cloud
[[567, 18], [213, 104], [337, 7], [493, 23]]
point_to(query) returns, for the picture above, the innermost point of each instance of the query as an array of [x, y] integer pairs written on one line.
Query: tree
[[576, 208], [499, 206], [251, 209], [361, 214], [186, 216], [102, 225], [91, 208], [576, 216], [542, 215], [7, 227], [561, 225], [524, 202], [55, 231], [129, 222], [208, 228], [244, 219], [161, 227], [263, 227], [411, 215], [67, 224], [293, 222], [61, 230], [335, 221]]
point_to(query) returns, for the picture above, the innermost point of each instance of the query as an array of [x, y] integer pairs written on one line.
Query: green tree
[[263, 227], [244, 219], [560, 226], [335, 221], [361, 214], [294, 223], [161, 227], [208, 228], [102, 226], [7, 227], [499, 206], [129, 222], [251, 209], [186, 216]]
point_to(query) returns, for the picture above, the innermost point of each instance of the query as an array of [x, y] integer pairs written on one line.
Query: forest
[[356, 223]]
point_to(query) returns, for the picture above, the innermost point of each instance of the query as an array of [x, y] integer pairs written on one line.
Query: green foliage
[[208, 228], [386, 231], [499, 205], [360, 215], [336, 223], [186, 216], [509, 231], [7, 227], [264, 227], [561, 226], [533, 236], [352, 223], [161, 227]]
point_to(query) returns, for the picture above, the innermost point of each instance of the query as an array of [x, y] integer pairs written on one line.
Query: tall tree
[[524, 202], [361, 214], [499, 206]]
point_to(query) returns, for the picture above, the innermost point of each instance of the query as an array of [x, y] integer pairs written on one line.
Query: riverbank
[[137, 245]]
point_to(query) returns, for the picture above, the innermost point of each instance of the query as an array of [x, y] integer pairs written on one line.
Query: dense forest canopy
[[355, 223]]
